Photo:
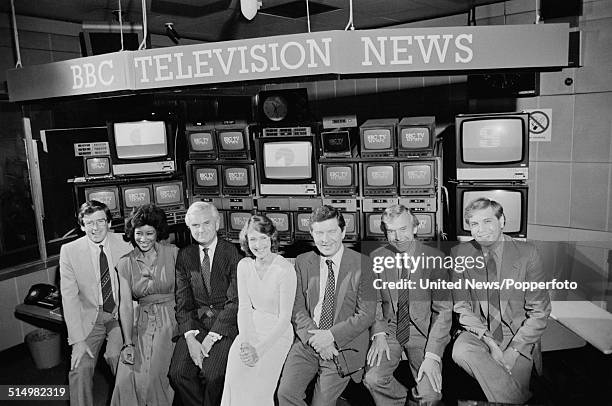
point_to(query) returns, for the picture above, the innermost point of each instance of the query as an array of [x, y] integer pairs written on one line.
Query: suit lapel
[[478, 275], [344, 280], [88, 270], [197, 283], [510, 269], [314, 279], [219, 264]]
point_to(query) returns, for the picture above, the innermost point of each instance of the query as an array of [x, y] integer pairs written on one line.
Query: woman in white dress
[[266, 292]]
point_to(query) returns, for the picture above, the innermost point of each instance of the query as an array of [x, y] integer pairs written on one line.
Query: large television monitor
[[427, 225], [379, 179], [513, 199], [283, 223], [340, 179], [336, 143], [236, 221], [233, 140], [204, 179], [286, 165], [378, 138], [416, 136], [142, 147], [97, 167], [492, 147], [371, 226], [301, 226], [201, 141], [134, 196], [237, 180], [109, 195], [417, 177]]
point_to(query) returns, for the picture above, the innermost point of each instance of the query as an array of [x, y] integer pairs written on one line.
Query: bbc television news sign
[[368, 52]]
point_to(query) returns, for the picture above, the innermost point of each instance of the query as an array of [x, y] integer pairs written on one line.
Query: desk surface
[[589, 321], [38, 312]]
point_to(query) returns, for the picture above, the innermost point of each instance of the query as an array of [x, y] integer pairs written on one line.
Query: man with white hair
[[206, 309]]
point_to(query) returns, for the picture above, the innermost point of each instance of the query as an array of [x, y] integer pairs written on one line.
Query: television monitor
[[237, 180], [417, 177], [301, 226], [170, 196], [142, 147], [201, 141], [98, 38], [339, 179], [109, 195], [427, 225], [336, 143], [513, 199], [283, 223], [97, 166], [286, 165], [134, 196], [379, 179], [233, 140], [351, 220], [492, 147], [378, 138], [236, 221], [416, 136], [371, 225], [204, 179], [222, 233]]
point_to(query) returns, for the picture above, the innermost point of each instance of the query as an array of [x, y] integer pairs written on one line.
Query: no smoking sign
[[540, 122]]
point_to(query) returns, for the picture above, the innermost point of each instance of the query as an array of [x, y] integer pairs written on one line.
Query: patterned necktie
[[494, 317], [327, 312], [403, 312], [206, 270], [108, 303]]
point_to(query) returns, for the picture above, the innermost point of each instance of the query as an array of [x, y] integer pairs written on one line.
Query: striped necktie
[[494, 317], [403, 312], [206, 269], [327, 311], [108, 303]]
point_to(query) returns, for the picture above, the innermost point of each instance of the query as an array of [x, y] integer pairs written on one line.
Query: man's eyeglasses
[[342, 364], [92, 223]]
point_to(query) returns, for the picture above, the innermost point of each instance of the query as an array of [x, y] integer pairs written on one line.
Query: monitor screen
[[426, 226], [414, 137], [231, 140], [238, 220], [97, 166], [374, 223], [416, 175], [349, 222], [498, 140], [377, 138], [201, 141], [380, 175], [169, 193], [280, 220], [236, 176], [287, 160], [336, 141], [339, 175], [303, 222], [509, 199], [136, 196], [206, 177], [106, 196], [140, 139]]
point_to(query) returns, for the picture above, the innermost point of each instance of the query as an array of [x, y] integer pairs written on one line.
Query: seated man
[[415, 321], [502, 326]]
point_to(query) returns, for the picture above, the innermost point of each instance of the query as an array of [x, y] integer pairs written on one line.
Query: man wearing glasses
[[414, 320], [90, 296], [334, 307]]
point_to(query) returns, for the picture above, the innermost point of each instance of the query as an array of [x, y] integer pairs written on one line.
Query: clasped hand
[[198, 351], [248, 354], [323, 343]]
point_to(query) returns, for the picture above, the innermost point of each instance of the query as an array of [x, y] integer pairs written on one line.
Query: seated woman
[[146, 275], [266, 292]]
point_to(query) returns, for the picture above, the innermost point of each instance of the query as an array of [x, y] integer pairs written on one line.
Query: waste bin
[[45, 347]]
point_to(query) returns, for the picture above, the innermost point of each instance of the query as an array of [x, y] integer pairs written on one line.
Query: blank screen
[[201, 141], [135, 197], [168, 194], [374, 224], [377, 138], [379, 176], [425, 224], [339, 175], [206, 177], [140, 139], [236, 177], [231, 140], [280, 220], [488, 141], [103, 196], [98, 166], [414, 137], [416, 175], [510, 200], [287, 160]]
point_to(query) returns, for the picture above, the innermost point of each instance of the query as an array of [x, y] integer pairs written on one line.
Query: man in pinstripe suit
[[206, 310]]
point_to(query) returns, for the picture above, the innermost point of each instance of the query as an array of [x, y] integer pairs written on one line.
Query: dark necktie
[[327, 311], [403, 312], [108, 303], [494, 317], [206, 270]]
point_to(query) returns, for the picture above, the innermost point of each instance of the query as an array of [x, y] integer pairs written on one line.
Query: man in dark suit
[[334, 307], [206, 310], [502, 326], [414, 320]]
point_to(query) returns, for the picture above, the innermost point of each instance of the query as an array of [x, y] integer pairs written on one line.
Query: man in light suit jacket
[[206, 310], [428, 320], [334, 307], [90, 295], [500, 344]]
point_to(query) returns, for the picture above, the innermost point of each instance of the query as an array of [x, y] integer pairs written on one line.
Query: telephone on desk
[[43, 295]]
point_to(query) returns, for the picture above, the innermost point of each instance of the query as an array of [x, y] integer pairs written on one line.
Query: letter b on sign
[[89, 75]]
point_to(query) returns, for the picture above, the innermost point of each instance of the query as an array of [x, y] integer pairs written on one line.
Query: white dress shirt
[[324, 273], [94, 252]]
